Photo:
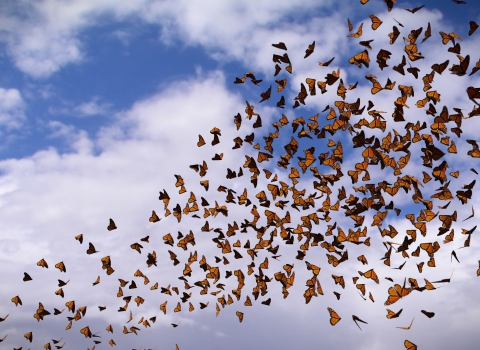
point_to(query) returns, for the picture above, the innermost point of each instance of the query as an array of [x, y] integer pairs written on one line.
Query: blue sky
[[101, 103]]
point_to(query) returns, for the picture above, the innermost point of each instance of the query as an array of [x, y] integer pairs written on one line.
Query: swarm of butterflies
[[378, 153]]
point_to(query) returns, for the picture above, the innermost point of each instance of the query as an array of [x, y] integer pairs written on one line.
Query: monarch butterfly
[[395, 293], [111, 226], [439, 68], [57, 312], [154, 217], [91, 249], [325, 64], [59, 292], [163, 307], [79, 238], [415, 9], [16, 300], [310, 49], [355, 319], [42, 263], [428, 314], [240, 316], [428, 32], [361, 288], [420, 267], [139, 300], [407, 328], [473, 93], [455, 48], [61, 266], [266, 95], [391, 314], [460, 69], [358, 34], [376, 22], [473, 27], [394, 35], [28, 336], [360, 58], [350, 26], [409, 345], [132, 285], [26, 277], [70, 305], [339, 280], [334, 317], [267, 302], [86, 331], [136, 246], [280, 46]]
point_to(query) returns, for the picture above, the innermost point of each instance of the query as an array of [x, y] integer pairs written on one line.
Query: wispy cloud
[[93, 107], [12, 108]]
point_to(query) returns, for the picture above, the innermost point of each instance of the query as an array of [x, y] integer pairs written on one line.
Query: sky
[[101, 104]]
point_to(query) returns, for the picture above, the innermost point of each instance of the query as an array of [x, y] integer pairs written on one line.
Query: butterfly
[[428, 32], [428, 314], [391, 314], [355, 319], [280, 46], [61, 266], [409, 345], [26, 277], [86, 332], [394, 35], [439, 68], [407, 328], [334, 317], [358, 33], [415, 9], [325, 64], [396, 293], [473, 93], [266, 95], [42, 263], [91, 249], [16, 300], [390, 4], [460, 69], [360, 58], [240, 316], [28, 336], [310, 49], [376, 22], [473, 27]]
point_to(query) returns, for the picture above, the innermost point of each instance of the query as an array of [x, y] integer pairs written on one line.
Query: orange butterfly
[[111, 226], [334, 317], [376, 22], [409, 345], [358, 34]]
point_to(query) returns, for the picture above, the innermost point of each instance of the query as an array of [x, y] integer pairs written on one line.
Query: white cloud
[[43, 36], [92, 107], [12, 108]]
